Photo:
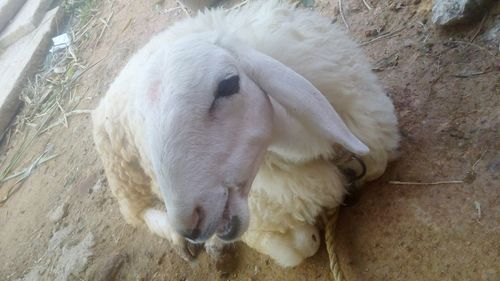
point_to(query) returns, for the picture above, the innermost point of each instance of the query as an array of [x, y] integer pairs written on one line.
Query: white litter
[[60, 42], [478, 209]]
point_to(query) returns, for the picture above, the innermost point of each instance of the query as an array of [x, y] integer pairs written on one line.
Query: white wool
[[292, 187]]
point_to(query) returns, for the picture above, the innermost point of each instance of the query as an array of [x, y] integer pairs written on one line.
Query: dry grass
[[52, 97]]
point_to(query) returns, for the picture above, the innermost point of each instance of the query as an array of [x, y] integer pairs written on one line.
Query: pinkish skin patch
[[154, 92]]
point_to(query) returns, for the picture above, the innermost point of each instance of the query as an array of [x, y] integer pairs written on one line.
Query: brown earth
[[446, 91]]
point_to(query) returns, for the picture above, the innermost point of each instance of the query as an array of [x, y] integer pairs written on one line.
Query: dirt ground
[[63, 223]]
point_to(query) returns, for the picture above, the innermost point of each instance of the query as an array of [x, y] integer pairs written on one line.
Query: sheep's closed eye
[[228, 87]]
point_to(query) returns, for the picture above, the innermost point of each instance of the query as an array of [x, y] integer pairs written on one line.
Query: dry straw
[[51, 96]]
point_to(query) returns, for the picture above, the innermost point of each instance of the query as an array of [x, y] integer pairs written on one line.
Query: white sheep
[[231, 118]]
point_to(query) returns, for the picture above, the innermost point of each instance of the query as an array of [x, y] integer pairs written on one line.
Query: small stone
[[408, 43], [470, 177], [99, 185], [494, 166], [355, 10], [58, 213], [396, 6], [161, 259], [387, 62], [372, 32], [256, 270], [492, 35], [59, 69]]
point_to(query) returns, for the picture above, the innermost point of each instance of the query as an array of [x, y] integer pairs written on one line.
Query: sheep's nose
[[192, 234]]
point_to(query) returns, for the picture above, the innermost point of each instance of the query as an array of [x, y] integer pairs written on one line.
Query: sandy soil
[[63, 223]]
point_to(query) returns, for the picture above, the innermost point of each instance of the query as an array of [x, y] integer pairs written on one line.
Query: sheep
[[236, 120]]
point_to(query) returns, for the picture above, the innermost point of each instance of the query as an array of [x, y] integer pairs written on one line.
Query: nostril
[[231, 230], [198, 216], [194, 231], [198, 211], [192, 234]]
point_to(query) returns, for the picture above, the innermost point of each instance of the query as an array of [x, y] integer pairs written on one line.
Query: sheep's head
[[209, 116]]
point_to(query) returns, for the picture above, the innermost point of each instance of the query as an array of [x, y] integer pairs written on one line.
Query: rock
[[73, 259], [25, 21], [58, 213], [99, 185], [35, 274], [450, 12], [20, 61], [63, 259], [8, 9], [256, 270], [374, 31], [58, 238], [492, 35]]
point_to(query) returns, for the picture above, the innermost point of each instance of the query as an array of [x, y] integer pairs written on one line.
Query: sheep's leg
[[379, 132], [132, 187], [289, 248], [157, 223]]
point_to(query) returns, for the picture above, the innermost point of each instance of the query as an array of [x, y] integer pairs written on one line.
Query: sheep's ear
[[298, 96]]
